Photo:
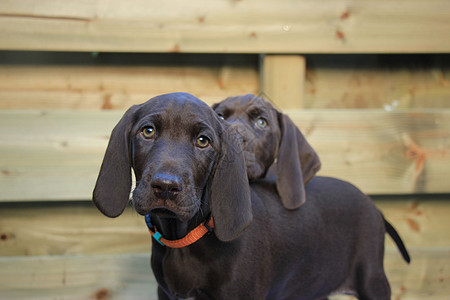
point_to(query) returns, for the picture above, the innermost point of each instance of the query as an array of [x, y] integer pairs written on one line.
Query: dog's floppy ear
[[230, 190], [297, 163], [112, 190]]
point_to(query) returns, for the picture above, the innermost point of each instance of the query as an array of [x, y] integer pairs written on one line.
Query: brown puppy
[[189, 166], [270, 136]]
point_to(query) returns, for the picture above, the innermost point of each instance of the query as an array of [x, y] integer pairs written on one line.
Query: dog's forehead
[[246, 103], [173, 105]]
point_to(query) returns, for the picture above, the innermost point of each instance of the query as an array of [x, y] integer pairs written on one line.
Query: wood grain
[[283, 80], [389, 82], [49, 80], [128, 276], [78, 228], [381, 152], [112, 86], [370, 26], [71, 251], [72, 228], [58, 153]]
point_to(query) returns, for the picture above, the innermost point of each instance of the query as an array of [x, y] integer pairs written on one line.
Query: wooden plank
[[49, 80], [389, 82], [116, 81], [370, 26], [416, 281], [120, 86], [426, 277], [128, 276], [67, 232], [381, 152], [283, 80], [58, 153], [34, 229], [75, 228], [421, 221]]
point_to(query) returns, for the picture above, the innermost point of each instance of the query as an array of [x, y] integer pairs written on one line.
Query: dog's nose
[[166, 185]]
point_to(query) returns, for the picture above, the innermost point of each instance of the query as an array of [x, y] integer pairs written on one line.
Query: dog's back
[[333, 243]]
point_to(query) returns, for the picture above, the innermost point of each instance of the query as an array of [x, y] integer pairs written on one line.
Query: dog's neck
[[174, 228], [170, 228]]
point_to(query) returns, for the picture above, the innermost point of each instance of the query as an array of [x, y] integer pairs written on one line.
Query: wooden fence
[[68, 70]]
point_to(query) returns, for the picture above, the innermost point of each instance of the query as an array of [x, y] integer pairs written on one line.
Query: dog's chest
[[184, 274]]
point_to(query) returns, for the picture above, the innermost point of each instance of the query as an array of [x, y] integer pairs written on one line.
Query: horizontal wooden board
[[55, 80], [389, 82], [52, 155], [71, 228], [427, 277], [56, 155], [126, 80], [251, 26], [78, 228], [381, 152], [57, 250], [128, 276], [421, 221]]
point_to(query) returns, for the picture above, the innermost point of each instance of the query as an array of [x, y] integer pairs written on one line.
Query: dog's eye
[[202, 142], [221, 116], [148, 132], [261, 123]]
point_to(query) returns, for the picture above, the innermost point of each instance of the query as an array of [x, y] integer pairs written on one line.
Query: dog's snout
[[241, 132], [166, 185]]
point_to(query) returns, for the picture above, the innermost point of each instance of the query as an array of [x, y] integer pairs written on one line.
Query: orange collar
[[193, 236]]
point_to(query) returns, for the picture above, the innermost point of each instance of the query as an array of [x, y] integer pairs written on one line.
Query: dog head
[[187, 162], [269, 136]]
